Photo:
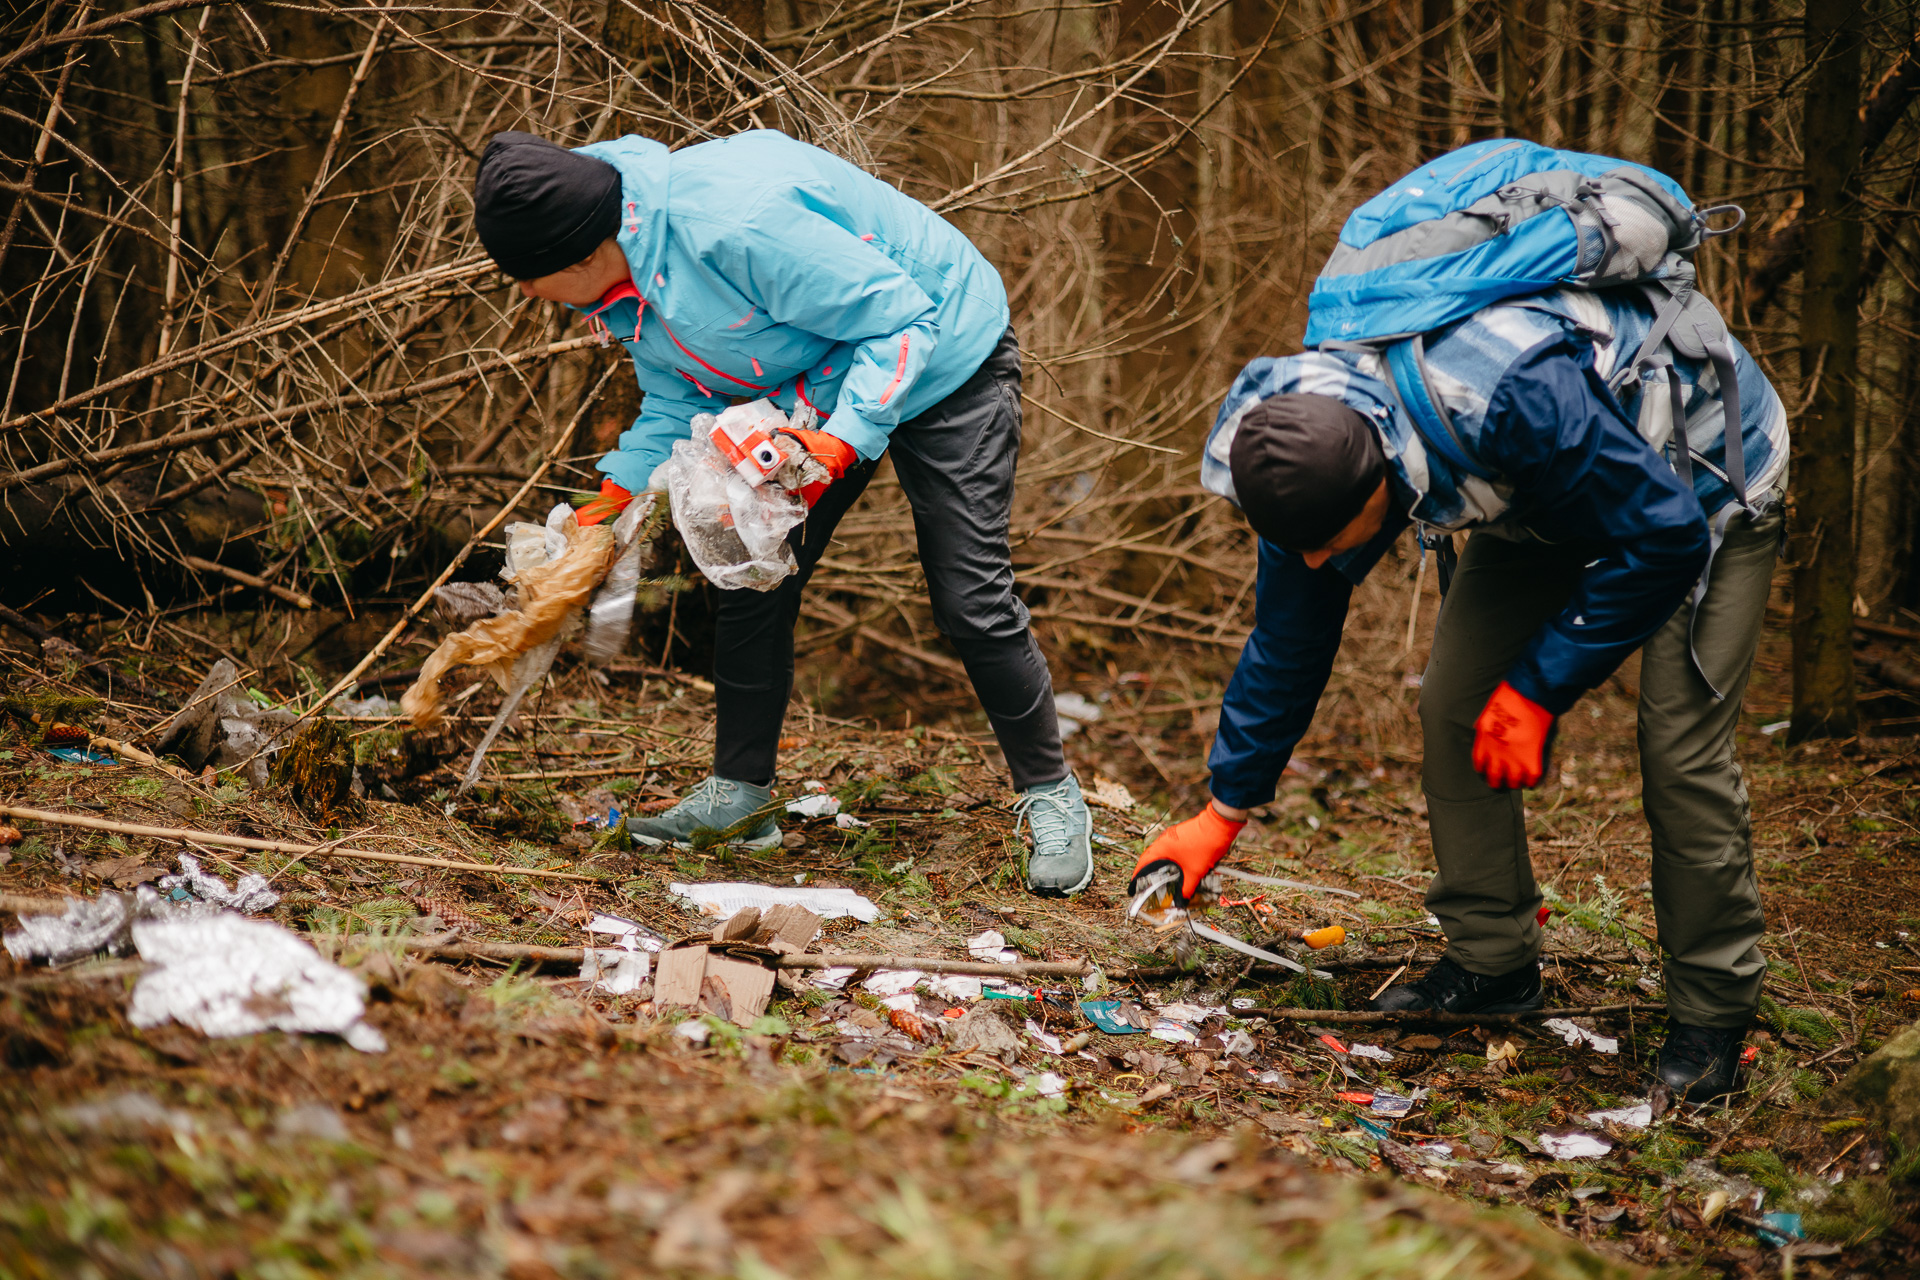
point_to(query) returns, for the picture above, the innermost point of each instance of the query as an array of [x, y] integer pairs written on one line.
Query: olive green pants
[[1706, 899]]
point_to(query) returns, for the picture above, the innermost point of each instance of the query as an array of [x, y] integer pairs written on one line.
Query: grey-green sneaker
[[741, 810], [1062, 858]]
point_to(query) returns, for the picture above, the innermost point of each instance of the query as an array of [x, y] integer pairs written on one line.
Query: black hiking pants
[[956, 464]]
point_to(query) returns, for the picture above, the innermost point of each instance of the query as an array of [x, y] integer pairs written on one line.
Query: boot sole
[[1085, 880], [657, 842], [1492, 1010]]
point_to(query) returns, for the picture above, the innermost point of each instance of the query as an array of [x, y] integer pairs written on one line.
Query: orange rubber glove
[[1195, 846], [1511, 738], [611, 502], [831, 452]]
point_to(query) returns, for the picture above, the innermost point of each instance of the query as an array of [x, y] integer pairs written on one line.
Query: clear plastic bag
[[736, 533]]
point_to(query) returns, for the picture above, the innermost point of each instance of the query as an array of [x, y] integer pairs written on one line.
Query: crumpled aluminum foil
[[89, 926], [251, 895], [226, 975], [219, 973]]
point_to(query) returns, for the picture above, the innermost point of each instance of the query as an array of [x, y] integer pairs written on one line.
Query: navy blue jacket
[[1568, 465]]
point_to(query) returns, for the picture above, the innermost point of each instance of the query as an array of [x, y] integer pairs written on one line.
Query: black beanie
[[540, 207], [1303, 468]]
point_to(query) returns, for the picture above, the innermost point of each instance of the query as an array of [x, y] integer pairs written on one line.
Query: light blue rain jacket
[[767, 267]]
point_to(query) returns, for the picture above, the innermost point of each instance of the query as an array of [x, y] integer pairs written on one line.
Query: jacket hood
[[645, 184], [1355, 381]]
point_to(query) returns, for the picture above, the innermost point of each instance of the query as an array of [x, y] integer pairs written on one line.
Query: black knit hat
[[1303, 468], [540, 207]]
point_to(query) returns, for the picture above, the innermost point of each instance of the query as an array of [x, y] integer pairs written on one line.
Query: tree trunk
[[1436, 86], [1823, 549], [1519, 113]]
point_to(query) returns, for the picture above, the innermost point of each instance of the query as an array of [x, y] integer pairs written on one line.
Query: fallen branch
[[279, 846], [297, 599], [126, 751], [439, 948], [983, 968], [34, 906], [96, 669], [1370, 1017]]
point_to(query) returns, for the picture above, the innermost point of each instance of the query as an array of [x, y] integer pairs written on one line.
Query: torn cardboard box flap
[[733, 983], [732, 976]]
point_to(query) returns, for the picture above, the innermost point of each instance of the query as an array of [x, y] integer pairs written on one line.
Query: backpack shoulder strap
[[1406, 362]]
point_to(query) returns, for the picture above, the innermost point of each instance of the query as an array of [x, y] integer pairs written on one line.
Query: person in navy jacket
[[1585, 546]]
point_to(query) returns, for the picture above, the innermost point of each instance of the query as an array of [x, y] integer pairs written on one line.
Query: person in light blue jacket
[[758, 266]]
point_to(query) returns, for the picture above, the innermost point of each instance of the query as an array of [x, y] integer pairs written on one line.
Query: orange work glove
[[611, 502], [831, 452], [1195, 846], [1511, 738]]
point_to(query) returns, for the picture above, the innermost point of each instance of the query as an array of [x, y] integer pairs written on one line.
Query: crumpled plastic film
[[549, 595], [610, 616], [226, 975], [250, 894], [88, 926], [735, 533]]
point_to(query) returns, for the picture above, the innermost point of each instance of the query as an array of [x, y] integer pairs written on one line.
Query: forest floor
[[523, 1124]]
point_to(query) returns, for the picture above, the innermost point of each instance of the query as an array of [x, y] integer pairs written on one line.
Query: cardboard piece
[[676, 976], [698, 976]]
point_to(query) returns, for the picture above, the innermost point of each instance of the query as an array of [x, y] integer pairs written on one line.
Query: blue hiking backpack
[[1504, 218]]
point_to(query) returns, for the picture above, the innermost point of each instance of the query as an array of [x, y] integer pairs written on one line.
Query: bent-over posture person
[[760, 266], [1586, 545]]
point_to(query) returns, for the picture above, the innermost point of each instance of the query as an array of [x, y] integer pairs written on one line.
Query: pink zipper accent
[[899, 372], [758, 372], [827, 372], [743, 319], [659, 280], [696, 382], [718, 373], [867, 236]]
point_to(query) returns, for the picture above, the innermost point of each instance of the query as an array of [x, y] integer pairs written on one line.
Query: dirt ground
[[520, 1124]]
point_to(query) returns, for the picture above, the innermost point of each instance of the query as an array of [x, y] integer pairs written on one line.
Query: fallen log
[[281, 846], [441, 948], [1370, 1017]]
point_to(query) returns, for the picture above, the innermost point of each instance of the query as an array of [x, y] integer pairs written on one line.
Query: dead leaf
[[1108, 794], [1503, 1053], [1156, 1093], [1426, 1044]]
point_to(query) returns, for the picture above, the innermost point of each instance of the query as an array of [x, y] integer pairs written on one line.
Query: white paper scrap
[[891, 982], [847, 822], [905, 1002], [954, 986], [1637, 1116], [1373, 1051], [1574, 1144], [630, 935], [818, 805], [1050, 1084], [1181, 1012], [1176, 1032], [1046, 1040], [724, 901], [832, 979], [991, 946], [615, 970], [1573, 1034]]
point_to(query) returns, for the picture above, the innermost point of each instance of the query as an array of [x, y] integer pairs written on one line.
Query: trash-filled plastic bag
[[735, 532], [551, 594]]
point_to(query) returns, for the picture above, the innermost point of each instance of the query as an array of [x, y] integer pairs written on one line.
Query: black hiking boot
[[1447, 988], [1701, 1064]]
